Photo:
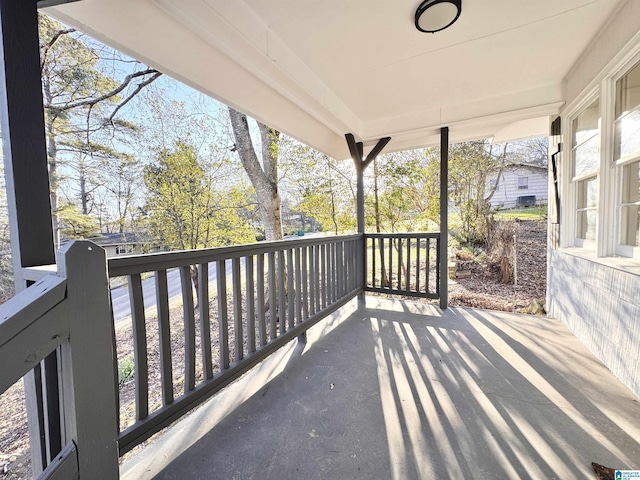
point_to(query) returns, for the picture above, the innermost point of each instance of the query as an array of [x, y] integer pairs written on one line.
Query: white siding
[[601, 306], [511, 179]]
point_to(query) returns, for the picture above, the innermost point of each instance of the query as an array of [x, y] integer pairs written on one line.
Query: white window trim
[[569, 209], [607, 249], [614, 180]]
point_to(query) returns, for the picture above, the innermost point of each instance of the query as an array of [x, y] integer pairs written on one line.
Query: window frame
[[618, 164], [574, 181]]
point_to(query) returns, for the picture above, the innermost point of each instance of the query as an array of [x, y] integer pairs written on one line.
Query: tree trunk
[[376, 208], [52, 154], [84, 196], [264, 178]]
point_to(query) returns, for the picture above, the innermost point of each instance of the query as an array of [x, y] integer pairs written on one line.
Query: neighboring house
[[515, 185], [126, 243]]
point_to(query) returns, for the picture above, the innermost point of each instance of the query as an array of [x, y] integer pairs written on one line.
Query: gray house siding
[[518, 181], [601, 306]]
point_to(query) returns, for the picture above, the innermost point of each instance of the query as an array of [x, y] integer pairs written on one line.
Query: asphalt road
[[120, 295]]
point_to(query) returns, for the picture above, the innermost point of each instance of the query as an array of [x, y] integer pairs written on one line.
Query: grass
[[126, 369], [536, 212]]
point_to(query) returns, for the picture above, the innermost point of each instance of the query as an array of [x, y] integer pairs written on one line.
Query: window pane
[[585, 125], [627, 131], [628, 92], [627, 141], [586, 224], [588, 193], [586, 157], [630, 211]]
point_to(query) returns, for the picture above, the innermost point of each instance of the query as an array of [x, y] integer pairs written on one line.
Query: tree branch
[[92, 101], [139, 87], [50, 44]]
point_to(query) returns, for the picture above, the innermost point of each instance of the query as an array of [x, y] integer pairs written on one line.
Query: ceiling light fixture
[[435, 15]]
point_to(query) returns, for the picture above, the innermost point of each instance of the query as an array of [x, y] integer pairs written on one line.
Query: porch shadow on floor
[[403, 390]]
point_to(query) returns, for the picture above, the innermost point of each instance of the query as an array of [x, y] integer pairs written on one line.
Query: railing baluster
[[273, 306], [298, 274], [282, 292], [390, 263], [418, 242], [251, 314], [323, 274], [330, 281], [337, 270], [305, 283], [221, 274], [189, 330], [428, 269], [384, 280], [316, 260], [374, 254], [400, 261], [262, 327], [340, 269], [347, 264], [291, 292], [312, 279], [237, 309], [334, 274], [164, 334], [205, 322], [438, 272], [407, 270], [327, 275], [139, 347], [354, 261]]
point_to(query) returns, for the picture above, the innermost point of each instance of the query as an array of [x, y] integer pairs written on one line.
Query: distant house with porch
[[518, 185]]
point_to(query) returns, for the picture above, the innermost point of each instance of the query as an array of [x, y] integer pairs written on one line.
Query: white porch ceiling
[[317, 69]]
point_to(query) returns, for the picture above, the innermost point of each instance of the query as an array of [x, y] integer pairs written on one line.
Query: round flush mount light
[[435, 15]]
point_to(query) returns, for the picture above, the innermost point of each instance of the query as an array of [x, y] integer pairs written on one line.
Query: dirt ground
[[481, 290]]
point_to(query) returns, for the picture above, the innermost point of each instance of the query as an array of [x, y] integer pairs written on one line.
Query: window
[[523, 183], [587, 193], [585, 158], [630, 206], [627, 159], [627, 124]]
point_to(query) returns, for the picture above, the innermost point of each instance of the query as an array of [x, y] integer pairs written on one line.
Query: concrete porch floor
[[402, 390]]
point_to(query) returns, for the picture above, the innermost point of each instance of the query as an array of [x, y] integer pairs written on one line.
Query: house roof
[[526, 166], [106, 239], [318, 69]]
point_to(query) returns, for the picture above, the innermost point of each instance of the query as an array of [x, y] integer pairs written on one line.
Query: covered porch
[[400, 389], [383, 388]]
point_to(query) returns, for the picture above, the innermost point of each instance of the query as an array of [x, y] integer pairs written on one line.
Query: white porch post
[[27, 183]]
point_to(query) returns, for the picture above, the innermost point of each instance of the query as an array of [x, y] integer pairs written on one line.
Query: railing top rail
[[128, 265], [19, 312], [403, 235]]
